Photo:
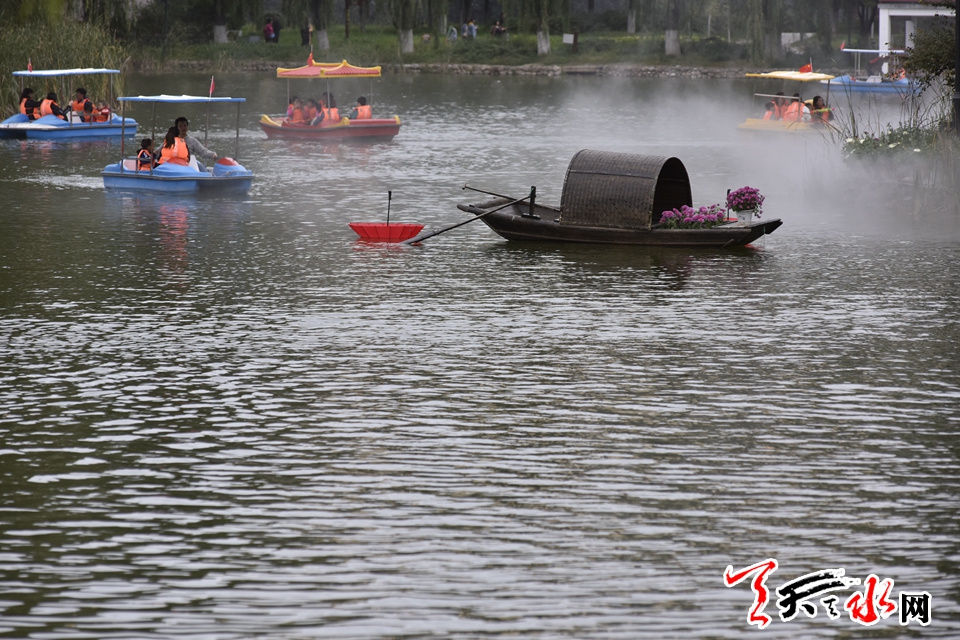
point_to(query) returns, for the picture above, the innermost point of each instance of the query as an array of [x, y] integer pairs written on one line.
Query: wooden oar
[[424, 236]]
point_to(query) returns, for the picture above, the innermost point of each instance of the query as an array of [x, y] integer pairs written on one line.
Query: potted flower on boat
[[689, 218], [746, 202]]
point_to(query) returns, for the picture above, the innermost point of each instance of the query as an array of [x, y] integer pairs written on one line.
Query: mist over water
[[226, 418]]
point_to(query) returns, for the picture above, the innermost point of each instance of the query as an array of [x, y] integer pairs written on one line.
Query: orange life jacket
[[769, 114], [364, 112], [46, 108], [30, 112], [309, 114], [331, 116], [177, 154], [101, 116], [145, 160], [297, 117], [77, 105], [793, 112]]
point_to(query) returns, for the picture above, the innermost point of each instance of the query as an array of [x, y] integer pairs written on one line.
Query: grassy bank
[[57, 45], [379, 44]]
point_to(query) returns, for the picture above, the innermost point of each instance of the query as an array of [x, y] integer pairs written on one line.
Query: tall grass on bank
[[915, 163], [64, 44]]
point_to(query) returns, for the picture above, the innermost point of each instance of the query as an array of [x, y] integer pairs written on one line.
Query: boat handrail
[[163, 98]]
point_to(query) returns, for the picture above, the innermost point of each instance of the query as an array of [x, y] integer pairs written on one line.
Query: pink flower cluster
[[689, 218], [746, 199]]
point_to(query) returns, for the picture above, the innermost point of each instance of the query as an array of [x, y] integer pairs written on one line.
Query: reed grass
[[63, 44]]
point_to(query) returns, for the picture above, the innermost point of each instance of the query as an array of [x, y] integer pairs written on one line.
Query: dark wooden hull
[[514, 223]]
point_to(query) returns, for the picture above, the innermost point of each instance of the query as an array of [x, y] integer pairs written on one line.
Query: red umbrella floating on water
[[380, 232]]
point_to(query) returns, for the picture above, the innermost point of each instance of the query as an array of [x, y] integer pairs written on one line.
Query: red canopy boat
[[368, 129]]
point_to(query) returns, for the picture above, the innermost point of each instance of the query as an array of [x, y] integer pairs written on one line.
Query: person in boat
[[311, 113], [193, 145], [771, 111], [820, 113], [145, 157], [49, 107], [28, 105], [331, 114], [174, 149], [101, 113], [80, 100], [290, 107], [362, 111], [296, 114], [795, 110], [779, 106], [87, 115]]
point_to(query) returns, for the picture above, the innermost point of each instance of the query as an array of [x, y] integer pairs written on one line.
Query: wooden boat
[[614, 198], [53, 128], [759, 125], [225, 175], [370, 130]]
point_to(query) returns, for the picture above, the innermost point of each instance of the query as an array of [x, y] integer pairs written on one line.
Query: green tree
[[404, 14], [763, 22], [932, 55], [319, 13]]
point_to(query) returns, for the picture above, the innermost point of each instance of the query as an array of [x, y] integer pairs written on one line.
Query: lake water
[[225, 418]]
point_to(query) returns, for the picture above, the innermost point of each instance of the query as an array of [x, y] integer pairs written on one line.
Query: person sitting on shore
[[820, 113], [497, 29], [28, 105], [193, 145], [145, 157], [80, 100], [174, 150], [49, 107], [362, 111], [312, 114]]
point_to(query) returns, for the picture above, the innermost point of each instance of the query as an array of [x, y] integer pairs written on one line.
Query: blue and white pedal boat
[[225, 176], [52, 127]]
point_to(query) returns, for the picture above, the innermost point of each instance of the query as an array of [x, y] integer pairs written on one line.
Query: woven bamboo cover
[[621, 190]]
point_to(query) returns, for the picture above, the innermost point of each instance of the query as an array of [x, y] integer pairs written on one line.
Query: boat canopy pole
[[153, 125], [123, 133], [237, 153], [207, 129], [424, 236]]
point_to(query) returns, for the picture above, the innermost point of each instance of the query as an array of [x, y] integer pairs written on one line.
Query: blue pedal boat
[[52, 127], [226, 175]]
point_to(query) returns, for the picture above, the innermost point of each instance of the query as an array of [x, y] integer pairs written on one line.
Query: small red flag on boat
[[843, 45], [212, 85], [807, 68], [29, 65]]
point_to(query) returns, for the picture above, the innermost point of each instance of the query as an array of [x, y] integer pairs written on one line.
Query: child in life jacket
[[771, 113], [101, 113], [361, 111], [28, 105], [311, 114], [49, 107], [145, 157], [296, 116]]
